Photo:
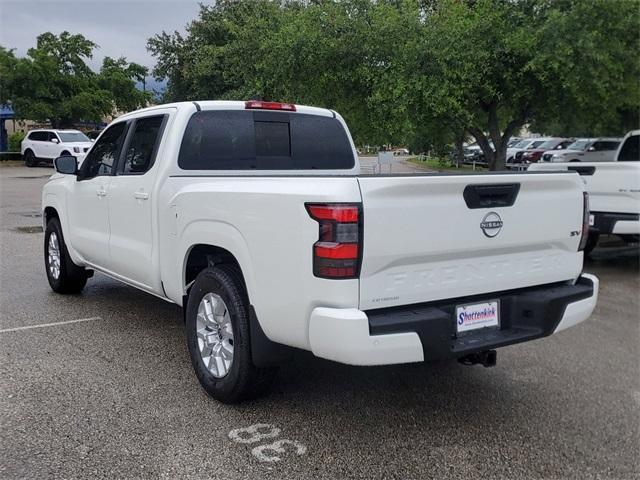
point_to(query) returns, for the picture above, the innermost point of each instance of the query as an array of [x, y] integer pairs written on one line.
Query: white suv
[[586, 150], [46, 145]]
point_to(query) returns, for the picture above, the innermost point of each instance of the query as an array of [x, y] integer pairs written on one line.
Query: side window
[[610, 145], [38, 136], [630, 151], [100, 160], [142, 146], [596, 147], [51, 136]]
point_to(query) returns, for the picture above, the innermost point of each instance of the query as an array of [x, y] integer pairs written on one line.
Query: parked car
[[45, 145], [400, 151], [473, 154], [519, 147], [253, 217], [588, 150], [519, 152], [535, 154], [614, 191]]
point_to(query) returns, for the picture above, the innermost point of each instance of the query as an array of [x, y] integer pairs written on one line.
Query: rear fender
[[216, 234]]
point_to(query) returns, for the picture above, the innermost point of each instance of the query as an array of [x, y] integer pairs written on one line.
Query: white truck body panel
[[263, 222]]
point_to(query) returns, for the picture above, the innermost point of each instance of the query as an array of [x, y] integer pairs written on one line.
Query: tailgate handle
[[583, 170], [491, 196]]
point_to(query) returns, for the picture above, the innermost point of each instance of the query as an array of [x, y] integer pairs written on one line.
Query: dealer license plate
[[477, 315]]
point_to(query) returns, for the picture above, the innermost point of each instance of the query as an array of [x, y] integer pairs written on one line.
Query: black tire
[[30, 159], [244, 380], [65, 153], [592, 241], [71, 278], [574, 160]]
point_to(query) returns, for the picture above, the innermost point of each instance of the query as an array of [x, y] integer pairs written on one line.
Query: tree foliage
[[54, 83], [420, 72]]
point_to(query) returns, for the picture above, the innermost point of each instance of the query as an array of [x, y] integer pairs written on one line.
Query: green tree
[[565, 66], [54, 83]]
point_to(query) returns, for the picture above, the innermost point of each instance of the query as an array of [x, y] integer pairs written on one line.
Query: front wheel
[[217, 323], [64, 276]]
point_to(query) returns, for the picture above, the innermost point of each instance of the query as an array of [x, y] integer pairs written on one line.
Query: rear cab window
[[260, 140]]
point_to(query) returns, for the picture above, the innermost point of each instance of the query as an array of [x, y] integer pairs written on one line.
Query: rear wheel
[[217, 322], [30, 159], [64, 276]]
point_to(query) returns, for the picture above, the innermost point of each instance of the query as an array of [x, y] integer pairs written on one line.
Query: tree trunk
[[483, 143], [497, 156]]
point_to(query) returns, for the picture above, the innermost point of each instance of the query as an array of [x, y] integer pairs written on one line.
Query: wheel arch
[[203, 255], [49, 213]]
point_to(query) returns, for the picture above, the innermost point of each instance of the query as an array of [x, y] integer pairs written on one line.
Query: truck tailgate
[[435, 237]]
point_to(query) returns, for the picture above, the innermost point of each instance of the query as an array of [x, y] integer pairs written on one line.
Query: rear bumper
[[427, 331], [617, 223]]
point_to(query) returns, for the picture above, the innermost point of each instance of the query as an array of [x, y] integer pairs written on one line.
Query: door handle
[[141, 195], [101, 192]]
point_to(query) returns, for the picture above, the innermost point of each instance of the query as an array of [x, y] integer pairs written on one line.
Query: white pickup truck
[[614, 191], [253, 216]]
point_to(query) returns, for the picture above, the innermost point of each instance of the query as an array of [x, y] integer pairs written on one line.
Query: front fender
[[55, 200]]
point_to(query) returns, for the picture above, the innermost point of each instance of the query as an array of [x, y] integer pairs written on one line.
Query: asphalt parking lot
[[113, 395]]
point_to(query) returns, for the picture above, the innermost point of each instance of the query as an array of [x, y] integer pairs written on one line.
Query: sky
[[119, 27]]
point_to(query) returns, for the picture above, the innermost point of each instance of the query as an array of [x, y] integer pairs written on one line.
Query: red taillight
[[339, 213], [260, 105], [338, 251], [585, 221], [335, 250]]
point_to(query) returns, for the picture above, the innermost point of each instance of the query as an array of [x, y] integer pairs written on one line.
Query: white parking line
[[45, 325]]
